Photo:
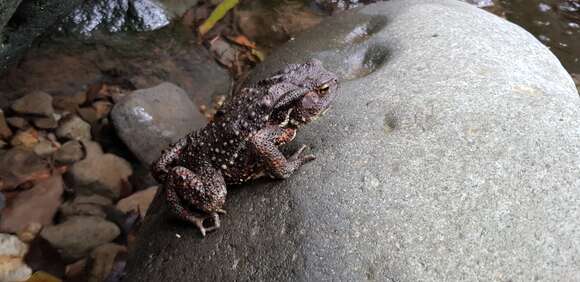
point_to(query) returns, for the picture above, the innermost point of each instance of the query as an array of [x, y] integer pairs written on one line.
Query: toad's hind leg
[[183, 213], [183, 192]]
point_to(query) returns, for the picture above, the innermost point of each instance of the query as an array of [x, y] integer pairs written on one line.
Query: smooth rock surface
[[451, 154], [150, 119], [80, 234]]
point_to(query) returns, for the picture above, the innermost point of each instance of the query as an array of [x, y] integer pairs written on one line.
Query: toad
[[242, 142]]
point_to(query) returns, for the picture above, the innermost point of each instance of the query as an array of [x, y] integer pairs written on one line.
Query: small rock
[[102, 174], [88, 114], [139, 201], [27, 138], [3, 144], [73, 127], [102, 259], [38, 204], [5, 131], [18, 122], [30, 232], [76, 271], [37, 103], [80, 234], [70, 209], [12, 252], [69, 152], [18, 165], [93, 199], [102, 108], [44, 148], [45, 123], [150, 119], [69, 102], [92, 149]]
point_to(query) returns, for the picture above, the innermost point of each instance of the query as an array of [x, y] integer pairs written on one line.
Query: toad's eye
[[323, 89]]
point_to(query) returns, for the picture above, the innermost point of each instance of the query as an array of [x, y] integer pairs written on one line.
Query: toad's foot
[[199, 220]]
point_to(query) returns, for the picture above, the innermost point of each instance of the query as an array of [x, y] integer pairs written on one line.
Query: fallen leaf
[[217, 14]]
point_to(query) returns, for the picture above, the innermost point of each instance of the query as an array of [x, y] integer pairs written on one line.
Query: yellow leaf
[[217, 14]]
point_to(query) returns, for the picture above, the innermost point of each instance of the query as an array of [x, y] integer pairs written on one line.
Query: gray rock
[[150, 119], [18, 122], [78, 235], [69, 152], [44, 148], [74, 128], [34, 18], [45, 123], [115, 16], [103, 174], [452, 154], [37, 103], [7, 9]]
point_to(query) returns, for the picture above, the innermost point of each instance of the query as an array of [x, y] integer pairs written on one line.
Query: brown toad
[[242, 141]]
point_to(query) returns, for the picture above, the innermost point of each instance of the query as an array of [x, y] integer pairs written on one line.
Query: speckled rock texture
[[451, 154]]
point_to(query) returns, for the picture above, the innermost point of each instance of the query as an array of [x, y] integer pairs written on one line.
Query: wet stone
[[88, 114], [36, 103], [69, 102], [19, 165]]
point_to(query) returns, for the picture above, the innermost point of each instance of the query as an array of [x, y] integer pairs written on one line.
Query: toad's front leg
[[265, 143]]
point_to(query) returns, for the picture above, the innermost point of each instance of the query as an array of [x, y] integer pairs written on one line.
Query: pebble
[[69, 152], [103, 174], [102, 260], [45, 148], [69, 102], [18, 122], [139, 201], [36, 205], [12, 252], [45, 123], [36, 103], [73, 127], [78, 235], [27, 138]]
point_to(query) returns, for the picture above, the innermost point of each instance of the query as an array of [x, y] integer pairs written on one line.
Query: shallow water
[[554, 22]]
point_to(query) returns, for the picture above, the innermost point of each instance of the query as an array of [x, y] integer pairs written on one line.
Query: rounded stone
[[450, 154], [37, 103], [73, 127], [78, 235], [150, 119]]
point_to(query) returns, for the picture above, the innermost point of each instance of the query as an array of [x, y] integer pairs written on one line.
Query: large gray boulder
[[451, 154]]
